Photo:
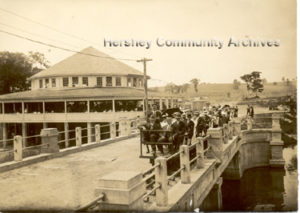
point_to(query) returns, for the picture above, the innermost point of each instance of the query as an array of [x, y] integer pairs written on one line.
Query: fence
[[50, 140]]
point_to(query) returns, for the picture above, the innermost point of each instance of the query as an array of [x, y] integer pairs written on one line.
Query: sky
[[77, 24]]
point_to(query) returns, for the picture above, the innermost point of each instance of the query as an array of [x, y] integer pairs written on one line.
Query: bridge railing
[[50, 140], [158, 173]]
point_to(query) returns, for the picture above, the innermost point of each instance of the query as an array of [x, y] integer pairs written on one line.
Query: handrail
[[151, 169], [30, 147], [146, 196], [174, 155], [172, 177], [101, 197]]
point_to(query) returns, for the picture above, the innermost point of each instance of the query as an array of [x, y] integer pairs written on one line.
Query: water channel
[[265, 188]]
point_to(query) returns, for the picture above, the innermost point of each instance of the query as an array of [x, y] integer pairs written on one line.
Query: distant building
[[82, 90]]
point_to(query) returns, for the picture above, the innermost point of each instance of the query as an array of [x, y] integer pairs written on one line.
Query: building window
[[129, 82], [101, 106], [65, 82], [41, 83], [128, 105], [118, 81], [134, 82], [108, 81], [47, 82], [53, 82], [85, 81], [99, 81], [140, 82], [74, 81]]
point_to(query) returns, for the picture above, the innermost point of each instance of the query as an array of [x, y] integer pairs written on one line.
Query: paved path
[[69, 181]]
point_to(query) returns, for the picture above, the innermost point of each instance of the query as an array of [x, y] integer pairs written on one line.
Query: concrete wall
[[255, 149]]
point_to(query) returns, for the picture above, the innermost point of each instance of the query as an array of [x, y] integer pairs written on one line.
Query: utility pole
[[145, 60]]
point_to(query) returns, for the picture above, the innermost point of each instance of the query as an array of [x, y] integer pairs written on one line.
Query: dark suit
[[151, 136], [178, 130], [250, 111], [200, 126], [154, 136], [190, 129]]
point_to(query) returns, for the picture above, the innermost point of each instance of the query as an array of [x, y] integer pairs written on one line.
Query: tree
[[185, 87], [170, 88], [15, 68], [236, 84], [254, 82], [38, 61], [195, 82]]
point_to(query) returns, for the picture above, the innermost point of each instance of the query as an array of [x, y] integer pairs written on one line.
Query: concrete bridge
[[111, 177]]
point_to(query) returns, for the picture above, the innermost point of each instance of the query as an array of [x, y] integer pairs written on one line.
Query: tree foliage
[[254, 82], [15, 68], [195, 82]]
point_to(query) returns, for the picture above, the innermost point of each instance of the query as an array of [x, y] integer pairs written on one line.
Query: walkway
[[69, 181]]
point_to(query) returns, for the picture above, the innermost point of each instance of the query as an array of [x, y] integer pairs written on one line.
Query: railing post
[[161, 179], [112, 130], [126, 128], [129, 127], [225, 133], [50, 140], [215, 141], [236, 124], [18, 148], [78, 136], [200, 153], [276, 121], [97, 133], [249, 123], [185, 162], [89, 132], [230, 129], [276, 144]]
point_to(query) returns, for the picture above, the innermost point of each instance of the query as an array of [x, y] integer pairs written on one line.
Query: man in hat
[[195, 120], [200, 125], [156, 113], [207, 120], [166, 136], [178, 130], [150, 136], [189, 129]]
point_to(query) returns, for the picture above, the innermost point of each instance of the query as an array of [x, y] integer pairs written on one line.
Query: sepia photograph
[[148, 106]]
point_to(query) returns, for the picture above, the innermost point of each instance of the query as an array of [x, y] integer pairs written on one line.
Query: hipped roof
[[87, 63]]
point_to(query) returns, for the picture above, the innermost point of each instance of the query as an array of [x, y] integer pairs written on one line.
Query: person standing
[[156, 113], [189, 129], [250, 111], [200, 126], [166, 136], [154, 136], [178, 130], [195, 120]]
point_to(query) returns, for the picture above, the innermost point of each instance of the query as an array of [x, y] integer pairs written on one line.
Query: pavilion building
[[81, 91]]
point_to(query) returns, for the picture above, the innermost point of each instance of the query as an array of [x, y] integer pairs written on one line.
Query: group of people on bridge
[[183, 127]]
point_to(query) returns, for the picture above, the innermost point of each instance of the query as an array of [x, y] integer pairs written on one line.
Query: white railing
[[54, 141]]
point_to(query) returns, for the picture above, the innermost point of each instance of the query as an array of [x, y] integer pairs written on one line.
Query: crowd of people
[[183, 127]]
